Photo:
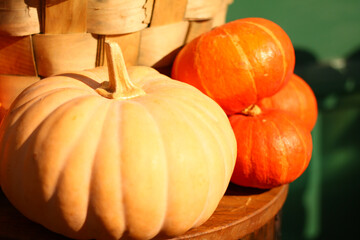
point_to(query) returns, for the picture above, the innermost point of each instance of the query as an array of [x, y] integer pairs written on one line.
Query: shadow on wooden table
[[235, 190]]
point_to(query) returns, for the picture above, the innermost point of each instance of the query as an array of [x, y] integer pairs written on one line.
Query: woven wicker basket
[[39, 38]]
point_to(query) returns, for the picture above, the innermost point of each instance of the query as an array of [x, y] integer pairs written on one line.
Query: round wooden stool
[[243, 213]]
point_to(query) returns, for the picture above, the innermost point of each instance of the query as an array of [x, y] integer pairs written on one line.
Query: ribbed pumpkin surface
[[91, 167], [274, 148], [238, 63], [297, 98]]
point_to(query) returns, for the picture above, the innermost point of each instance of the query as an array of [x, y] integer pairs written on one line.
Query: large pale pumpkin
[[10, 87], [238, 63], [138, 155]]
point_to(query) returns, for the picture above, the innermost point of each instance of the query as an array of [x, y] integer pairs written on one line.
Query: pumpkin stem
[[119, 85], [252, 110]]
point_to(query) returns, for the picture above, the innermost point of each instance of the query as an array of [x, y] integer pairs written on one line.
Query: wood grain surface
[[197, 28], [19, 17], [17, 56], [117, 17], [59, 53], [129, 44], [168, 11], [241, 212], [161, 51], [202, 9], [61, 17]]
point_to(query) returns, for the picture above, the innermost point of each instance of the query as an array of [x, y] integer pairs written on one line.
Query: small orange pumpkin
[[137, 155], [274, 148], [238, 63], [297, 98]]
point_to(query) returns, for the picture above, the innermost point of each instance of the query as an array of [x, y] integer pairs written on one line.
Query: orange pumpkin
[[238, 63], [274, 148], [2, 113], [139, 154], [297, 98]]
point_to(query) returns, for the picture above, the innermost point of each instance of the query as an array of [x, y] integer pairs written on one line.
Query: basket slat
[[159, 45], [116, 17], [197, 28], [19, 19], [16, 56], [168, 11], [150, 32], [202, 9], [129, 44], [149, 5], [61, 53], [65, 16], [220, 16]]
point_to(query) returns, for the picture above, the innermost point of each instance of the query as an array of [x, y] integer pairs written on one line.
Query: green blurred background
[[324, 202]]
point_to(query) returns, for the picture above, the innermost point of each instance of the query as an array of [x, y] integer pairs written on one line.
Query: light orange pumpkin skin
[[91, 167], [238, 63], [297, 98], [274, 148], [10, 88]]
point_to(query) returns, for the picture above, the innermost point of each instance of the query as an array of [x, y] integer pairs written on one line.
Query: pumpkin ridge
[[123, 202], [20, 180], [76, 141], [53, 83], [208, 113], [299, 97], [163, 83], [21, 115], [14, 121], [194, 130], [254, 132], [197, 69], [284, 162], [195, 114], [63, 109], [7, 140], [199, 107], [251, 148], [166, 167], [268, 31], [29, 180], [117, 108], [91, 210], [128, 223], [305, 148], [194, 98], [241, 53], [38, 98], [180, 115]]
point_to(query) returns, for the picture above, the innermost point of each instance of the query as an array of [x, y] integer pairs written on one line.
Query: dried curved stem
[[119, 85]]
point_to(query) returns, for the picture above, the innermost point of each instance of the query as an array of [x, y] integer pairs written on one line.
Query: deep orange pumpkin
[[274, 148], [2, 113], [238, 63], [297, 98]]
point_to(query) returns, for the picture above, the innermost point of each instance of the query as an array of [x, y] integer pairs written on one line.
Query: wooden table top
[[240, 212]]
